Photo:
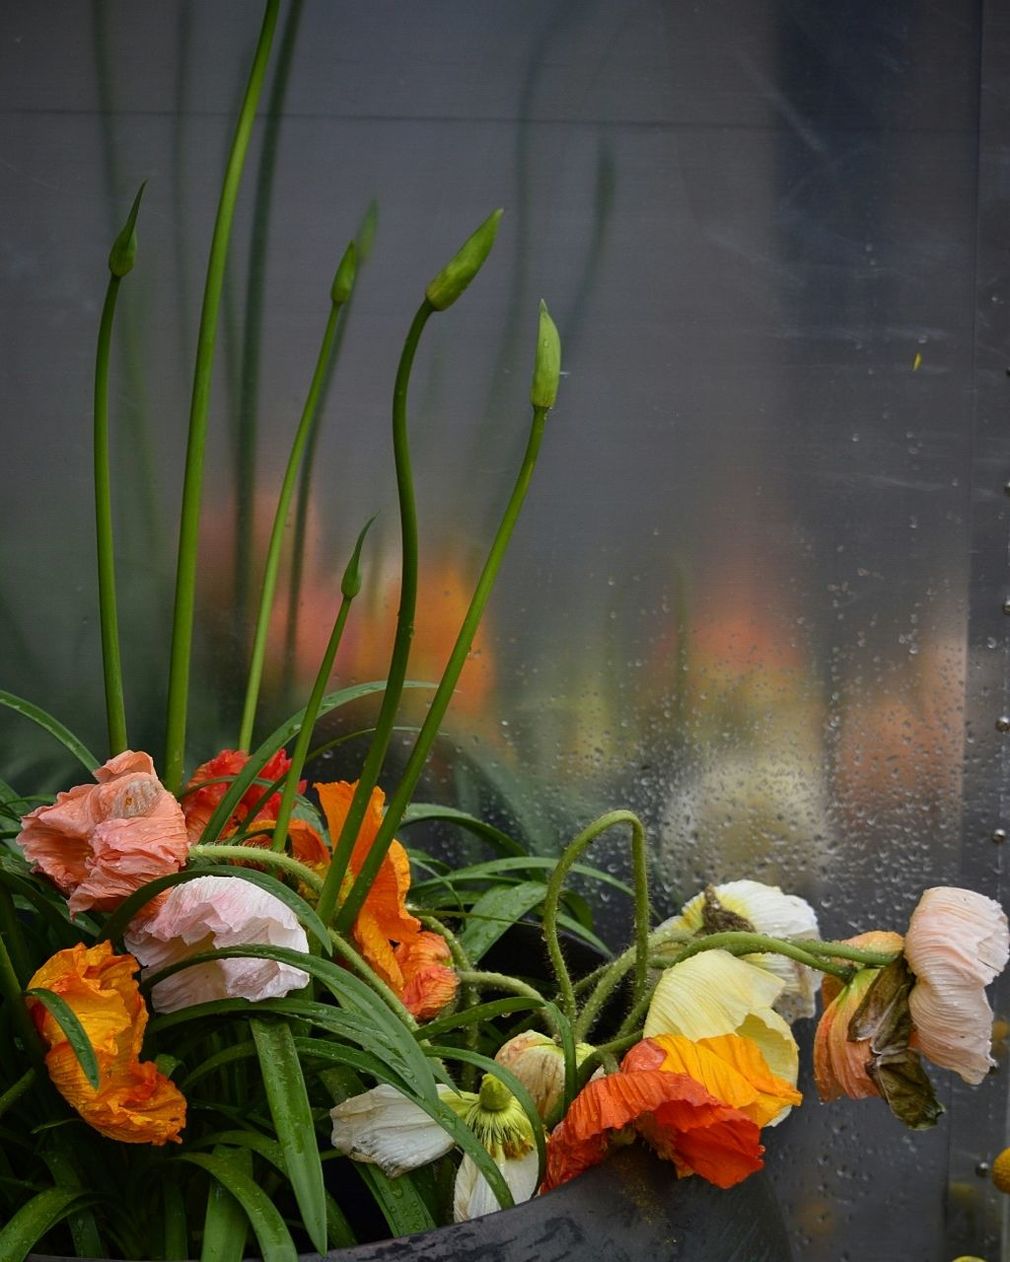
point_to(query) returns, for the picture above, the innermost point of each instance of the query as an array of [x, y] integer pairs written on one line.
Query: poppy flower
[[99, 842], [539, 1064], [715, 993], [760, 908], [133, 1102], [211, 781], [677, 1116], [429, 982], [210, 912], [957, 942], [383, 1126], [841, 1062]]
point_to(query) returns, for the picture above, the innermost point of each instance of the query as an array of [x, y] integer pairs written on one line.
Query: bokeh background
[[757, 591]]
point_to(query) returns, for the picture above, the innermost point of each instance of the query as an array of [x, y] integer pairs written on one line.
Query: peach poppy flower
[[211, 912], [730, 1067], [383, 919], [841, 1062], [539, 1064], [957, 942], [673, 1112], [429, 981], [199, 803], [133, 1102], [98, 843]]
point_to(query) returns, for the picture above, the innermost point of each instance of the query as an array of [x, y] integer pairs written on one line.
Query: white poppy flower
[[384, 1127], [472, 1195]]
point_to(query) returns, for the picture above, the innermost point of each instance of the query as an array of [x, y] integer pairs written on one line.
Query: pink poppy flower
[[100, 842], [957, 942], [211, 912]]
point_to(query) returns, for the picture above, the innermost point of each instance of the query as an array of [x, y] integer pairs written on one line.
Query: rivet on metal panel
[[1006, 485], [1006, 605], [998, 835], [982, 1169], [1003, 723]]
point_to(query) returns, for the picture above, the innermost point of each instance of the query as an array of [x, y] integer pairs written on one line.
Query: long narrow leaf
[[53, 726], [35, 1218], [271, 1231], [422, 812], [402, 1206], [292, 1116], [494, 868], [479, 1012], [225, 1225], [495, 912], [70, 1024]]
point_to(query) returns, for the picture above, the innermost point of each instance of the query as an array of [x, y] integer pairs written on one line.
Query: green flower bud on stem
[[547, 366], [350, 584], [464, 266], [123, 254], [343, 282]]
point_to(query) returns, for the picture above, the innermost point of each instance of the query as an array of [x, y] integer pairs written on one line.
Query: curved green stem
[[404, 633], [17, 1089], [259, 854], [740, 943], [569, 856], [108, 617], [843, 951], [443, 694], [273, 559], [189, 523]]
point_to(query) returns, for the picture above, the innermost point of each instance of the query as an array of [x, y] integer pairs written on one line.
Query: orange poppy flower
[[199, 804], [133, 1103], [730, 1067], [429, 982], [675, 1114]]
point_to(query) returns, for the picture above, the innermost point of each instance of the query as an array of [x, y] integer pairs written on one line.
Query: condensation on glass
[[756, 592]]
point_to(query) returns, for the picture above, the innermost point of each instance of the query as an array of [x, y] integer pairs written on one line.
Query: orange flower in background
[[841, 1063], [673, 1112], [429, 983], [199, 803], [100, 842], [730, 1067], [133, 1103]]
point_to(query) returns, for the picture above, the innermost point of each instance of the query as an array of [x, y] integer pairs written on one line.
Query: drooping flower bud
[[547, 366], [123, 254], [447, 286], [343, 281], [350, 584], [539, 1064]]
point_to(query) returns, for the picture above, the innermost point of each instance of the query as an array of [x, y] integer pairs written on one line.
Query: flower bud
[[547, 366], [539, 1064], [123, 254], [350, 584], [343, 282], [447, 286]]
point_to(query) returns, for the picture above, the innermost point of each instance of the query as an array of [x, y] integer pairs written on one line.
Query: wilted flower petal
[[384, 1127], [957, 942], [210, 912], [133, 1103], [539, 1064], [99, 843], [472, 1194], [429, 983], [714, 993], [201, 796]]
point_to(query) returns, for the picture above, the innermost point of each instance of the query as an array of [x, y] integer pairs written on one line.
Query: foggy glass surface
[[741, 600]]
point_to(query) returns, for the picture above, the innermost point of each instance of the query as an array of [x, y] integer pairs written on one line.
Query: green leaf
[[292, 1117], [53, 726], [76, 1035], [271, 1232], [495, 912], [479, 1012], [495, 868], [401, 1204], [225, 1225], [117, 923], [421, 812], [176, 1235], [38, 1216]]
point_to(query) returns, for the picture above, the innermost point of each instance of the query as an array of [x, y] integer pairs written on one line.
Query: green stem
[[111, 664], [259, 854], [401, 644], [500, 981], [740, 943], [14, 1092], [11, 992], [350, 586], [189, 524], [443, 694], [273, 560], [555, 885], [10, 931], [842, 951]]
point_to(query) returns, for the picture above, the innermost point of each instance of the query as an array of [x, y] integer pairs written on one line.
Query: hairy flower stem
[[273, 560], [259, 854], [443, 694], [501, 981], [569, 856], [189, 522], [740, 943], [397, 673], [115, 707], [350, 586]]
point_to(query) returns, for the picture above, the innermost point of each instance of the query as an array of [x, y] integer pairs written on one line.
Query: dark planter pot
[[630, 1208]]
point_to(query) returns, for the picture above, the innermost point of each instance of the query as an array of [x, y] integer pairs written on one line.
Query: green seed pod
[[343, 282], [547, 366], [123, 254], [464, 266]]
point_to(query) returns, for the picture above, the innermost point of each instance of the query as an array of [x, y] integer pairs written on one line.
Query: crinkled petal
[[840, 1063], [472, 1195], [953, 1025], [383, 1127], [957, 931]]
